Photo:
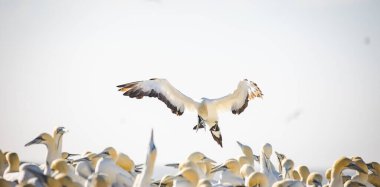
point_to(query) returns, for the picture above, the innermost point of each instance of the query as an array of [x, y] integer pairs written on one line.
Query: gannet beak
[[240, 144], [62, 130], [70, 155], [353, 166], [206, 159], [218, 168], [317, 182], [101, 154], [152, 147], [81, 159], [35, 141], [174, 165]]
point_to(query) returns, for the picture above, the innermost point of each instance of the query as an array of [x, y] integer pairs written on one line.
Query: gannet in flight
[[207, 109]]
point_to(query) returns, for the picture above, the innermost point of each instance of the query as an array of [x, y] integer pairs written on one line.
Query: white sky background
[[60, 62]]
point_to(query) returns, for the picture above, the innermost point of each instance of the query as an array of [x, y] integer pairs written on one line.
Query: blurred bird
[[257, 179], [266, 165], [57, 136], [336, 172], [48, 141], [144, 178], [207, 109], [11, 173], [314, 180], [230, 173]]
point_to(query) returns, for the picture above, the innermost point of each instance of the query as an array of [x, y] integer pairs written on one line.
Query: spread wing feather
[[238, 100], [176, 101]]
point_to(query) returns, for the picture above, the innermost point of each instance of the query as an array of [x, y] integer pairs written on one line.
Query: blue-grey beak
[[35, 141], [62, 130], [152, 147], [355, 167]]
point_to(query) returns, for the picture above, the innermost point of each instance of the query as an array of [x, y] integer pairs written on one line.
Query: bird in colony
[[67, 156], [3, 163], [121, 159], [246, 170], [115, 174], [336, 172], [11, 173], [66, 180], [247, 151], [295, 175], [59, 166], [230, 173], [266, 165], [374, 177], [187, 177], [207, 109], [84, 167], [203, 164], [314, 180], [288, 183], [257, 179], [280, 158], [304, 173], [57, 136], [25, 176], [42, 179], [287, 171], [361, 177], [48, 141], [145, 177], [328, 175]]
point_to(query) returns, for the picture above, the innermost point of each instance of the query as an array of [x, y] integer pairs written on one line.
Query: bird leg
[[216, 135], [201, 124]]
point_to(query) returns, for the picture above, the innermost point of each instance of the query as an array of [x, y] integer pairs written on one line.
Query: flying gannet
[[207, 109]]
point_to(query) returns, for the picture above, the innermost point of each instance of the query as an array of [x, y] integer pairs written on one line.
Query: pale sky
[[316, 61]]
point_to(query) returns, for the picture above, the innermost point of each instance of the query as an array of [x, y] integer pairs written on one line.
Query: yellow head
[[328, 174], [257, 179], [13, 162], [295, 175], [190, 174], [304, 172], [60, 166], [43, 138], [314, 179]]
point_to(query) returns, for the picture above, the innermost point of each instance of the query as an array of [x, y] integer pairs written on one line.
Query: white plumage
[[207, 109]]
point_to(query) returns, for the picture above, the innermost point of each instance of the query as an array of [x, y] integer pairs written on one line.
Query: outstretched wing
[[161, 89], [238, 100]]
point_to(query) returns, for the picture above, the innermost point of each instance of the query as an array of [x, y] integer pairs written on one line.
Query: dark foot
[[216, 135], [200, 125]]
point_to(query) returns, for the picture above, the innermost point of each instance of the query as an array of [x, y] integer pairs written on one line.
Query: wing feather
[[162, 90], [237, 102]]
